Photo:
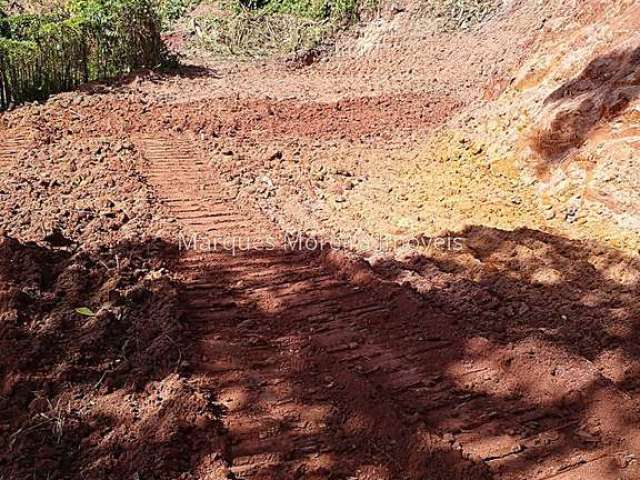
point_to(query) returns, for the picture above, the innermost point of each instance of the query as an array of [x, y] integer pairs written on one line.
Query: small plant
[[53, 420], [172, 10], [259, 28], [85, 312], [258, 34]]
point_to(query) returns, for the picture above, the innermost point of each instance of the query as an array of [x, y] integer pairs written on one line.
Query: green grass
[[309, 9], [173, 10], [262, 28], [260, 34]]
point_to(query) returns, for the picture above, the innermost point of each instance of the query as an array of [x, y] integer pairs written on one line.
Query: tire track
[[296, 350], [245, 298]]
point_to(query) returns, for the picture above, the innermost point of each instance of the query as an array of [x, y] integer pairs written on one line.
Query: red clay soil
[[102, 394], [156, 324], [329, 368], [125, 114]]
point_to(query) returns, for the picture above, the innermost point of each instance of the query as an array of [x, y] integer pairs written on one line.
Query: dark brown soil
[[104, 395]]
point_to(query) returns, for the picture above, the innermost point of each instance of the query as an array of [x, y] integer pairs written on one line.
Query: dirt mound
[[78, 391], [95, 381], [550, 145]]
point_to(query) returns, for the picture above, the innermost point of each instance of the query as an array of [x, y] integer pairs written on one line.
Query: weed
[[258, 34], [54, 419], [259, 28], [173, 10]]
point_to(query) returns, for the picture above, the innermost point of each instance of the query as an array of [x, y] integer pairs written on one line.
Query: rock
[[277, 155]]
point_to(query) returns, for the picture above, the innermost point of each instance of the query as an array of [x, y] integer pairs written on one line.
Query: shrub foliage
[[89, 40], [261, 28]]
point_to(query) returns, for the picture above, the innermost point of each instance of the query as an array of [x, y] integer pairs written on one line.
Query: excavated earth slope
[[414, 258]]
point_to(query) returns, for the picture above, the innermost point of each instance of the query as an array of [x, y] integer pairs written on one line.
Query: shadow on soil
[[519, 350], [100, 394], [602, 92], [154, 76]]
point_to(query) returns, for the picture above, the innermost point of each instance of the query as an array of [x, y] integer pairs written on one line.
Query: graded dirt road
[[325, 369], [492, 336]]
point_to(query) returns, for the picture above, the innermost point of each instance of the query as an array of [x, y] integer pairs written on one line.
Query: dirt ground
[[415, 258]]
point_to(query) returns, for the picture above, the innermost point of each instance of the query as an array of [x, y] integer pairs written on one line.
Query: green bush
[[172, 10], [17, 71], [26, 27], [258, 34], [310, 9], [40, 60], [122, 34], [261, 28], [94, 39]]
